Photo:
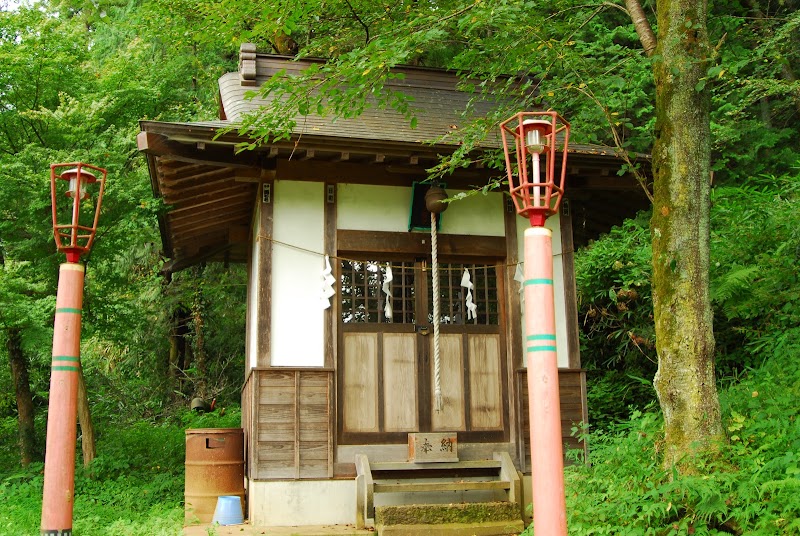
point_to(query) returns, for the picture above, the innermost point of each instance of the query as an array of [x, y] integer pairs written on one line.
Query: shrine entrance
[[385, 369]]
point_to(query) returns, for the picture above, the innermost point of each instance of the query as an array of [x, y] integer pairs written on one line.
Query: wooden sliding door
[[386, 373]]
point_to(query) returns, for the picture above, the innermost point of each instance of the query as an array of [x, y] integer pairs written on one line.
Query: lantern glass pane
[[66, 214], [77, 186], [533, 141]]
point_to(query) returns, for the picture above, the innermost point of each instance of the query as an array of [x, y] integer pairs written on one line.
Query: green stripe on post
[[538, 282], [71, 310], [547, 337], [66, 369], [74, 359], [541, 348]]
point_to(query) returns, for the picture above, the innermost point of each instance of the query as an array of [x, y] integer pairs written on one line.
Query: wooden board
[[457, 246], [452, 417], [250, 430], [360, 389], [400, 382], [485, 382]]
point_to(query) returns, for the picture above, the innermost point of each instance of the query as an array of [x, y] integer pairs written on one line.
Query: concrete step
[[463, 519], [434, 484]]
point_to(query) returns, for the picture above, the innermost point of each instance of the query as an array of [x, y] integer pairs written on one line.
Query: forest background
[[77, 76]]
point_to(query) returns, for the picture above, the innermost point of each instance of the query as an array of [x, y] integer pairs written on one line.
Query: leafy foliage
[[748, 487], [135, 486], [755, 244], [616, 317], [76, 79]]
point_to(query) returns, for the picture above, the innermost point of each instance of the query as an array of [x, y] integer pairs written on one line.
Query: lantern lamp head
[[533, 138], [75, 220]]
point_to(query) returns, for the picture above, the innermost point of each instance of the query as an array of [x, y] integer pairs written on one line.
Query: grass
[[134, 486], [752, 487]]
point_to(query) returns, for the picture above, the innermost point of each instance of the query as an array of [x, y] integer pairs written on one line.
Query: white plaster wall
[[387, 208], [297, 263], [562, 344], [475, 214], [302, 502], [373, 208], [252, 295]]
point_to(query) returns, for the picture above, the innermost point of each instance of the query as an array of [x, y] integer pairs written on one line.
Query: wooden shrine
[[339, 373]]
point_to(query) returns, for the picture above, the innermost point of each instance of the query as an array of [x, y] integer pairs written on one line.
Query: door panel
[[359, 387], [400, 382], [452, 417], [485, 382]]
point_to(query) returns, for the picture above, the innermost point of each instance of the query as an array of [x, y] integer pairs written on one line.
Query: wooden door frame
[[491, 250]]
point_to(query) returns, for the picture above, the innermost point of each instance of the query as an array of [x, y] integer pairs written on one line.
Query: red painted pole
[[547, 457], [59, 462]]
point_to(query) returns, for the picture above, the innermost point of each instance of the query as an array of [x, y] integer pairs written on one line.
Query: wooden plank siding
[[485, 382], [572, 391], [289, 433]]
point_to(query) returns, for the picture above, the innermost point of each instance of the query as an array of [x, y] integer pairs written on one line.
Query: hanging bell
[[434, 200]]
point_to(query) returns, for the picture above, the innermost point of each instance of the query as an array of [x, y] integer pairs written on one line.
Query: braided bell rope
[[437, 372]]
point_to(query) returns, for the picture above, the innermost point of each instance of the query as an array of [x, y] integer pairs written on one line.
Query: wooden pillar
[[264, 237], [570, 291]]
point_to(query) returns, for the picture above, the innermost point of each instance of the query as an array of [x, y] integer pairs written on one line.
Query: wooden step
[[497, 474], [405, 466], [402, 487]]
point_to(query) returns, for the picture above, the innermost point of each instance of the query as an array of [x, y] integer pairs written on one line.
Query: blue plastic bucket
[[228, 510]]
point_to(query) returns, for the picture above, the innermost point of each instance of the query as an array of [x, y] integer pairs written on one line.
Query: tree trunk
[[685, 382], [198, 322], [85, 419], [22, 390]]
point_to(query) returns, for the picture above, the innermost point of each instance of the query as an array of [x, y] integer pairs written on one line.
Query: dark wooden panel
[[572, 391], [332, 313], [453, 246], [250, 430], [570, 291]]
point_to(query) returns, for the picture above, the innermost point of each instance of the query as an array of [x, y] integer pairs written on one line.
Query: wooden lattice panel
[[363, 299], [452, 296]]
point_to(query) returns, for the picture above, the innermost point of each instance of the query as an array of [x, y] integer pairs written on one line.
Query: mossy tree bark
[[685, 381]]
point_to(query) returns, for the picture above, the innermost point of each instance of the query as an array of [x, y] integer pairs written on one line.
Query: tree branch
[[359, 20], [642, 26], [618, 142]]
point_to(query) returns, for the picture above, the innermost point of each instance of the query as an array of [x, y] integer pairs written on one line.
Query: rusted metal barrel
[[214, 467]]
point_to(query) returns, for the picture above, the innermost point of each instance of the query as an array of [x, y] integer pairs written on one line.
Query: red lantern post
[[535, 137], [74, 239]]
